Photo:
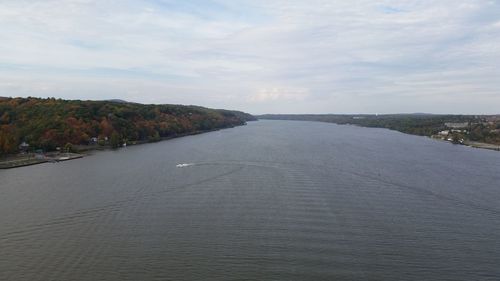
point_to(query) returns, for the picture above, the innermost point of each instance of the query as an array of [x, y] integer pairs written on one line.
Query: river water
[[273, 200]]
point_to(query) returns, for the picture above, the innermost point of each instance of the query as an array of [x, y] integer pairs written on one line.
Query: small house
[[24, 147]]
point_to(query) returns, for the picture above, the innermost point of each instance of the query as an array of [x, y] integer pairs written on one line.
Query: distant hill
[[50, 123], [117, 101]]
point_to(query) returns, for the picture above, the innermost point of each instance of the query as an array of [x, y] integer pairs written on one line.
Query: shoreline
[[472, 144], [30, 159], [482, 145]]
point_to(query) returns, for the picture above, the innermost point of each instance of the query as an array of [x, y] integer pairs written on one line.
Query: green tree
[[69, 148], [155, 137], [115, 140]]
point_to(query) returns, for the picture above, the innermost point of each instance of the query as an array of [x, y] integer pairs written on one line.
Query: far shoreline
[[30, 159], [471, 144]]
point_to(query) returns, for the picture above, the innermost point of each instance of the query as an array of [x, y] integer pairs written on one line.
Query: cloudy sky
[[260, 56]]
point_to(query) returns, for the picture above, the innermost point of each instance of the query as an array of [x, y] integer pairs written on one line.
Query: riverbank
[[453, 128], [473, 144], [482, 145], [28, 159]]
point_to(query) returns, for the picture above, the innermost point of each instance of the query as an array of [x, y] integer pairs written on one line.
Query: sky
[[259, 56]]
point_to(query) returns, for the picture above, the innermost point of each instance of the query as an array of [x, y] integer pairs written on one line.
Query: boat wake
[[183, 165]]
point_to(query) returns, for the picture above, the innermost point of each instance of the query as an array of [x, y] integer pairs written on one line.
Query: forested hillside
[[416, 124], [484, 128], [50, 123]]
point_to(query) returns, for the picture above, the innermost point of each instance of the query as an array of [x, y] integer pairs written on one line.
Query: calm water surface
[[274, 200]]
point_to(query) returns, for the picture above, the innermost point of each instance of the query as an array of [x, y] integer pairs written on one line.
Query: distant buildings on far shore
[[453, 125]]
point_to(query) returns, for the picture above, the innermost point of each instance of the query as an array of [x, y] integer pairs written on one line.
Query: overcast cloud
[[269, 56]]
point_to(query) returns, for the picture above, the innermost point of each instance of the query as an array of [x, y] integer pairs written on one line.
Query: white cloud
[[260, 56], [279, 94]]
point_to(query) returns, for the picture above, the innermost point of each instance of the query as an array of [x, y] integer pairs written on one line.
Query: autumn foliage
[[51, 123]]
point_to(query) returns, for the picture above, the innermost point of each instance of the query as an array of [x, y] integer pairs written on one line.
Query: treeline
[[480, 128], [51, 123], [416, 124]]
